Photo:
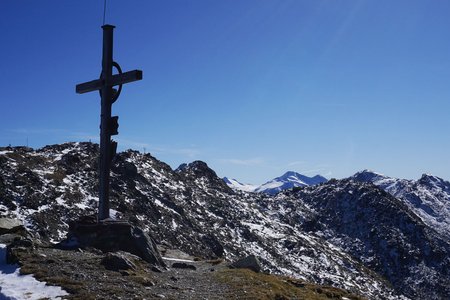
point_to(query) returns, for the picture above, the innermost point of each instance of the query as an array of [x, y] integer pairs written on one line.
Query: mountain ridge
[[428, 197], [319, 233]]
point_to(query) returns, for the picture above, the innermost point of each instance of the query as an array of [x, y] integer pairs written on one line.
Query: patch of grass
[[71, 286], [251, 285], [37, 272], [41, 274], [215, 261], [142, 280]]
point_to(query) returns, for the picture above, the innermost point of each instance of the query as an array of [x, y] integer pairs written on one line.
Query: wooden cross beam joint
[[117, 79]]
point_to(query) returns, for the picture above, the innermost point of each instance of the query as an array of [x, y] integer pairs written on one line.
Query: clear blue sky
[[252, 87]]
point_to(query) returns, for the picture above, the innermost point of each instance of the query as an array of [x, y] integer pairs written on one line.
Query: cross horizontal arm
[[126, 77], [89, 86], [117, 79]]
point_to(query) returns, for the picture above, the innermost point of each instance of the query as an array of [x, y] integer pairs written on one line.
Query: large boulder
[[146, 246], [19, 248], [249, 262], [8, 238], [118, 261]]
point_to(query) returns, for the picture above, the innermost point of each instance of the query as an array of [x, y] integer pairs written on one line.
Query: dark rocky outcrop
[[18, 248], [379, 229]]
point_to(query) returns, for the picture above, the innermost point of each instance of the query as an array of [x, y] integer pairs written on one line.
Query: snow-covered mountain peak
[[286, 181], [368, 176], [236, 185], [294, 176], [434, 181], [289, 174], [289, 180]]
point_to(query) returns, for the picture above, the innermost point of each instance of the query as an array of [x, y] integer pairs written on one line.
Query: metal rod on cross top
[[108, 124]]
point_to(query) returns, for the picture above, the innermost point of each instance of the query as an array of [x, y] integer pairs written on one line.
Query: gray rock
[[147, 246], [117, 261], [8, 225], [156, 269], [18, 248], [8, 238], [249, 262]]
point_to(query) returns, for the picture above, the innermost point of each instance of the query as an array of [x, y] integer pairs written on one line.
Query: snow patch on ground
[[14, 286]]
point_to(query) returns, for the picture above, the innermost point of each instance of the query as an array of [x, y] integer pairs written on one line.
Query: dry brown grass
[[215, 261], [253, 285]]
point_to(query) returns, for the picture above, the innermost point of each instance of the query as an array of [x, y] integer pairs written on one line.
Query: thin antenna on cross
[[104, 12]]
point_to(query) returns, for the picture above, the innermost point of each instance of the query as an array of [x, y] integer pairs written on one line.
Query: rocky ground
[[86, 274]]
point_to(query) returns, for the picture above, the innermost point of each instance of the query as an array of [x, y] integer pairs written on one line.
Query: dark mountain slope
[[380, 230], [428, 197]]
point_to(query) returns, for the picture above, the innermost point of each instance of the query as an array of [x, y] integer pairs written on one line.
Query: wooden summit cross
[[108, 124]]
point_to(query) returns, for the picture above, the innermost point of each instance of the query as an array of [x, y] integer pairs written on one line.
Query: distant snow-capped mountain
[[287, 181], [428, 197], [236, 185]]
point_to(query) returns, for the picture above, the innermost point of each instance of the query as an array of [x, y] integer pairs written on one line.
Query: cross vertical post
[[108, 124], [105, 136]]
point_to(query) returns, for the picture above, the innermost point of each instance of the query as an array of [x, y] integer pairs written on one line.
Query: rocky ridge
[[307, 233], [428, 197]]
